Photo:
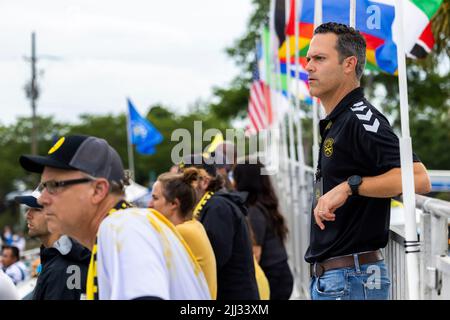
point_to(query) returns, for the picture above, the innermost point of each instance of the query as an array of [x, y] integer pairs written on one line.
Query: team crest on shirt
[[328, 147]]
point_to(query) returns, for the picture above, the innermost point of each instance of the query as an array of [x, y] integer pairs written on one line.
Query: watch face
[[355, 180]]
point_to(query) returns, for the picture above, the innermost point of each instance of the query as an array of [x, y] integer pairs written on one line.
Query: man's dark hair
[[15, 251], [349, 43]]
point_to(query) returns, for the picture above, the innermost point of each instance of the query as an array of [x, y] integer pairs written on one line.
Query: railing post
[[425, 256], [439, 239]]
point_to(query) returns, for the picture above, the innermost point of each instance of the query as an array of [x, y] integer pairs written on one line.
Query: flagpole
[[353, 13], [293, 163], [130, 146], [283, 152], [275, 135], [288, 89], [299, 217], [300, 150], [316, 104], [412, 245]]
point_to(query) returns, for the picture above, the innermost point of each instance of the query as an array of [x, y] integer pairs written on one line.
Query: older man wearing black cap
[[135, 252], [64, 262]]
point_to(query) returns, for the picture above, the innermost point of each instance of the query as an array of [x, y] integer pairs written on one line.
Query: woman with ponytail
[[268, 226], [174, 196]]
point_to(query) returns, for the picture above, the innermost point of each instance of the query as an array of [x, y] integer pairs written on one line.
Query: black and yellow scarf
[[201, 204]]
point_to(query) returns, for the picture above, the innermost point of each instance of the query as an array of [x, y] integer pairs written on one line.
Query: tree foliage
[[15, 140]]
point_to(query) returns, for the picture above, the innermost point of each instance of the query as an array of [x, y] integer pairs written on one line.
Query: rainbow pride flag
[[374, 19]]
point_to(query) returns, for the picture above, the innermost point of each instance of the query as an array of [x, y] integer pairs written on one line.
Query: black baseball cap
[[89, 154], [30, 200]]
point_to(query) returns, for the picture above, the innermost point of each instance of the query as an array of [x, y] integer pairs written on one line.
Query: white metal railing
[[395, 259], [298, 220], [434, 263]]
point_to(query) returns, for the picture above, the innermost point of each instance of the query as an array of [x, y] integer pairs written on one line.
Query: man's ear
[[101, 190], [350, 64]]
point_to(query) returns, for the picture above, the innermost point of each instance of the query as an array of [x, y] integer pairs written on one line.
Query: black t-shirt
[[273, 250], [356, 139]]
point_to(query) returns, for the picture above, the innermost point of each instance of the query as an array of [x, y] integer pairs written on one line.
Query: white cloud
[[169, 52]]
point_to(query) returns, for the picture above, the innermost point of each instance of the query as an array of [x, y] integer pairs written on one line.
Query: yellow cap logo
[[57, 145]]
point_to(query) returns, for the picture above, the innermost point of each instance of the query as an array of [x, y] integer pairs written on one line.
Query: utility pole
[[32, 92], [34, 96]]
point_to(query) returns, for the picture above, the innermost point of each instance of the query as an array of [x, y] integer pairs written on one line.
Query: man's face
[[68, 208], [37, 224], [8, 257], [325, 73], [159, 202]]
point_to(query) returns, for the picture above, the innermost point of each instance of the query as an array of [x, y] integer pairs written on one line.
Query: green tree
[[428, 88], [232, 101], [15, 140]]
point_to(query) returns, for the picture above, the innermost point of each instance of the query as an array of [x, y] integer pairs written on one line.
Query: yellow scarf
[[201, 204]]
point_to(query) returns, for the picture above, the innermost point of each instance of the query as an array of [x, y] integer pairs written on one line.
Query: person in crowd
[[12, 265], [7, 236], [8, 290], [64, 262], [136, 252], [18, 240], [223, 215], [174, 196], [225, 157], [268, 226]]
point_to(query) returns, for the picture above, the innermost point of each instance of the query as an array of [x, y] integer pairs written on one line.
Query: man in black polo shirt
[[358, 172]]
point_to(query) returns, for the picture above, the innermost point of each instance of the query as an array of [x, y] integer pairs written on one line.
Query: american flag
[[258, 107]]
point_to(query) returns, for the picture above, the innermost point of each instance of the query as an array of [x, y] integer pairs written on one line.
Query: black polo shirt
[[356, 139]]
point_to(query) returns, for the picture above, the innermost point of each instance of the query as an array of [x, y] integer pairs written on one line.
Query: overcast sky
[[93, 54]]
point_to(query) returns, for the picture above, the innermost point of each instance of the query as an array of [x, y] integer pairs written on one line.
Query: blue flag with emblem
[[142, 133]]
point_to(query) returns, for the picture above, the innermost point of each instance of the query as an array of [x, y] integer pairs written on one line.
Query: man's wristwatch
[[354, 182]]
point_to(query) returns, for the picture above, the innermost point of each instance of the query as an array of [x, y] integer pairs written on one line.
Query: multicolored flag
[[375, 20], [257, 105], [419, 39], [264, 67]]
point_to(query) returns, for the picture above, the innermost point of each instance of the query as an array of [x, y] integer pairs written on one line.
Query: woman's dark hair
[[181, 186], [248, 178], [216, 183]]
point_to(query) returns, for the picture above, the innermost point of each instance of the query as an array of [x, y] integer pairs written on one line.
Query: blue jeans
[[365, 282]]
